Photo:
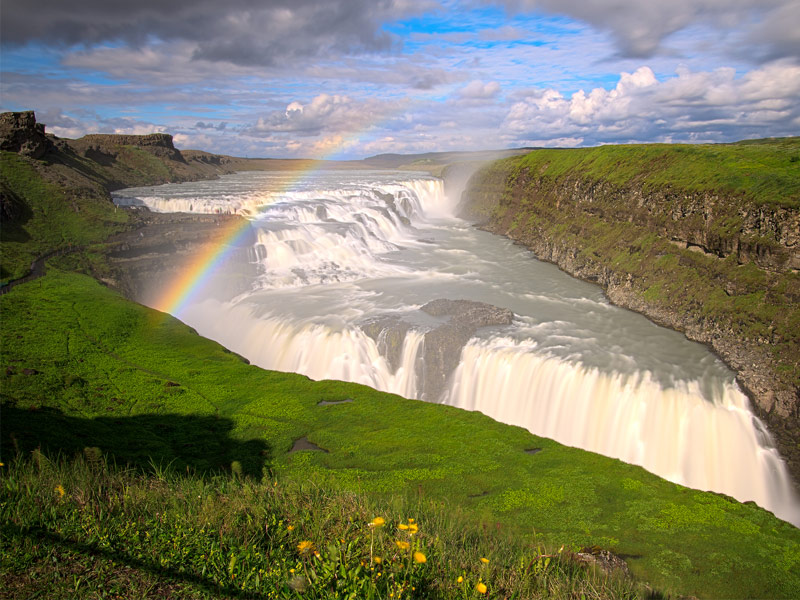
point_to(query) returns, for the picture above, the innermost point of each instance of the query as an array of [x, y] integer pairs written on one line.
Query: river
[[347, 259]]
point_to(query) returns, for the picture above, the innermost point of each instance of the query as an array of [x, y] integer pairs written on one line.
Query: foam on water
[[348, 247]]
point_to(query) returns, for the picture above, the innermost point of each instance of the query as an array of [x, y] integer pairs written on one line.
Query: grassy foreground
[[82, 529], [84, 368]]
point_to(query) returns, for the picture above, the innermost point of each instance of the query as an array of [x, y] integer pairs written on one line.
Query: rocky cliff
[[717, 262], [54, 193]]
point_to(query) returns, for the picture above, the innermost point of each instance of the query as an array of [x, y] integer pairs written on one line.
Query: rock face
[[458, 320], [443, 344], [720, 269], [19, 132], [105, 149], [147, 259]]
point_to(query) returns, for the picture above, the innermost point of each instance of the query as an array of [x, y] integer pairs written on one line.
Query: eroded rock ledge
[[666, 254], [458, 320]]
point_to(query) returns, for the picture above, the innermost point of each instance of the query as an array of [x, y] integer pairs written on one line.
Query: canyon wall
[[719, 265]]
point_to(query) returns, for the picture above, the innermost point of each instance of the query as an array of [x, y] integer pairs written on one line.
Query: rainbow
[[198, 272]]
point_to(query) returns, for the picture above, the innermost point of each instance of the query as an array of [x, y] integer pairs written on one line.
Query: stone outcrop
[[456, 322], [105, 148], [19, 132]]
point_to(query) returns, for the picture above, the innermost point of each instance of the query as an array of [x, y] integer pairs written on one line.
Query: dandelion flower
[[485, 560], [481, 588], [402, 526], [305, 547], [403, 545], [412, 529], [377, 522], [60, 490], [290, 527], [378, 560], [419, 557], [411, 520], [460, 579]]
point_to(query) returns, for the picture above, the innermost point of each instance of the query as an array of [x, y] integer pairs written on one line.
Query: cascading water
[[348, 262]]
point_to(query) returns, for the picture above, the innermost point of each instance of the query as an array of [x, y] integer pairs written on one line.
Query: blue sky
[[352, 78]]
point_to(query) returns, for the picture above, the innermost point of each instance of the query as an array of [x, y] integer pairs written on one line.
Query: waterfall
[[347, 260]]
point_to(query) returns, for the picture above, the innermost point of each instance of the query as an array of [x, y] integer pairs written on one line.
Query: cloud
[[218, 126], [692, 106], [242, 32], [327, 114], [640, 27], [479, 90]]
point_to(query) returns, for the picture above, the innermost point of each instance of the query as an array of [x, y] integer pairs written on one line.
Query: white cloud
[[704, 105], [480, 90]]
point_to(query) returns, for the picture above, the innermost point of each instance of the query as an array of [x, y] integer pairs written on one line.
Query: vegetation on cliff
[[703, 239], [138, 453]]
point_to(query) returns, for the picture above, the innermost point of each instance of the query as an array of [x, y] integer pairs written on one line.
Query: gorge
[[343, 269]]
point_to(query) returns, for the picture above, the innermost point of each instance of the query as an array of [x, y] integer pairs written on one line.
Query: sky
[[354, 78]]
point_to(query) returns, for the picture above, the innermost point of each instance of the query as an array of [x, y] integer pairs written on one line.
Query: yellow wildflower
[[481, 588], [402, 526], [290, 527], [403, 545], [412, 528], [460, 579], [411, 520], [377, 522], [378, 560], [485, 560], [305, 547], [60, 490], [419, 557]]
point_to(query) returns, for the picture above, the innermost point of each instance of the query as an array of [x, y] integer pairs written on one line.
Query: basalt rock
[[19, 132], [456, 323]]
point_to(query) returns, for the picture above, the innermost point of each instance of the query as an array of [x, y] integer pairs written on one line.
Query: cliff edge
[[701, 239]]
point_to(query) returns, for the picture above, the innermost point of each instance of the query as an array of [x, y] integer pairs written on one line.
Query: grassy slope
[[53, 216], [764, 170], [104, 372]]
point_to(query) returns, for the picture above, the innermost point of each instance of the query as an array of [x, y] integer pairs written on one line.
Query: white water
[[347, 247]]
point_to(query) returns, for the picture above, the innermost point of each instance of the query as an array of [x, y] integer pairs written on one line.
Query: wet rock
[[388, 333], [443, 342]]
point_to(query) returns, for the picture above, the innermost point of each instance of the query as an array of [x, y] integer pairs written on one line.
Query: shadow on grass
[[42, 535], [201, 444]]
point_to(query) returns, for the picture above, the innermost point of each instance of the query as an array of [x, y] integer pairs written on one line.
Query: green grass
[[767, 171], [51, 216], [82, 367], [82, 529]]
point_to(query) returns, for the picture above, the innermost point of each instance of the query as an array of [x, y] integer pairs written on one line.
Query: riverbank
[[712, 256]]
